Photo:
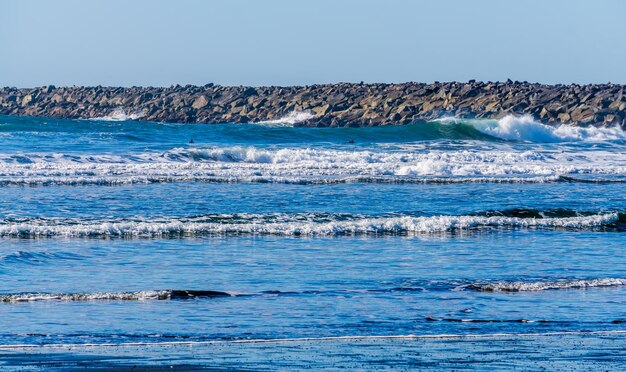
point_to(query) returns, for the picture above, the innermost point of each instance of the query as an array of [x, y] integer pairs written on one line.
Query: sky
[[301, 42]]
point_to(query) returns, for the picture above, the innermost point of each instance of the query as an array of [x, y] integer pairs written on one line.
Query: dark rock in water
[[341, 104], [188, 294]]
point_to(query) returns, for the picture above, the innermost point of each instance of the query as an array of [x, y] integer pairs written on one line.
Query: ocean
[[117, 232]]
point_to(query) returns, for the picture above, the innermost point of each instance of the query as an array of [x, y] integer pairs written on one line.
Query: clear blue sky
[[285, 42]]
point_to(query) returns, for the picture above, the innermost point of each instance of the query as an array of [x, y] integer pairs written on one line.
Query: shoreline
[[342, 104], [557, 350]]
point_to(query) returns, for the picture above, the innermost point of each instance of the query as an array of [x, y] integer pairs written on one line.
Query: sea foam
[[290, 119], [288, 225], [408, 163], [119, 114]]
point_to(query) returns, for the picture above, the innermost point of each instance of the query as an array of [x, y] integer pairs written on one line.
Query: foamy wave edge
[[311, 166], [166, 294], [294, 117], [404, 225], [348, 338], [146, 180], [118, 114], [520, 286]]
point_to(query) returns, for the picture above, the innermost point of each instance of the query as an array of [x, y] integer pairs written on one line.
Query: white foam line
[[119, 114], [290, 119], [314, 339], [293, 227]]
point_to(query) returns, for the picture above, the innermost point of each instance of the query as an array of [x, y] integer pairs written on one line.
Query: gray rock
[[340, 104], [200, 102]]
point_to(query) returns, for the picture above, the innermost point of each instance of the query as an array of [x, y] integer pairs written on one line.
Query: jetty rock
[[341, 104]]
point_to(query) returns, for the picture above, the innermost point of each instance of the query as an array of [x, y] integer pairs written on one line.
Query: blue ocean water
[[120, 231]]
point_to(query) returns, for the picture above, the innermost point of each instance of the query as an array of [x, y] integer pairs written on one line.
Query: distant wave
[[30, 257], [469, 320], [526, 129], [119, 114], [186, 294], [407, 163], [521, 286], [290, 119], [510, 128], [307, 224], [112, 296]]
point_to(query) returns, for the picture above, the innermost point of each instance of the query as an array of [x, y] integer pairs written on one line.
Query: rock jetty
[[343, 104]]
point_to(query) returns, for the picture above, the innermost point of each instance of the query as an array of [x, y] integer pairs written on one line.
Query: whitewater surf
[[117, 231]]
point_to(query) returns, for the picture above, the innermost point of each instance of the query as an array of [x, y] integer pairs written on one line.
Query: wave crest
[[526, 129], [293, 225], [119, 114], [294, 117], [505, 286]]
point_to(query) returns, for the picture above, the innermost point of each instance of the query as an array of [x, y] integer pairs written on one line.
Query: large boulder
[[200, 102]]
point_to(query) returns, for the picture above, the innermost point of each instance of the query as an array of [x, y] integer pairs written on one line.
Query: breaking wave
[[290, 119], [119, 114], [509, 128], [314, 166], [305, 224], [526, 129]]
